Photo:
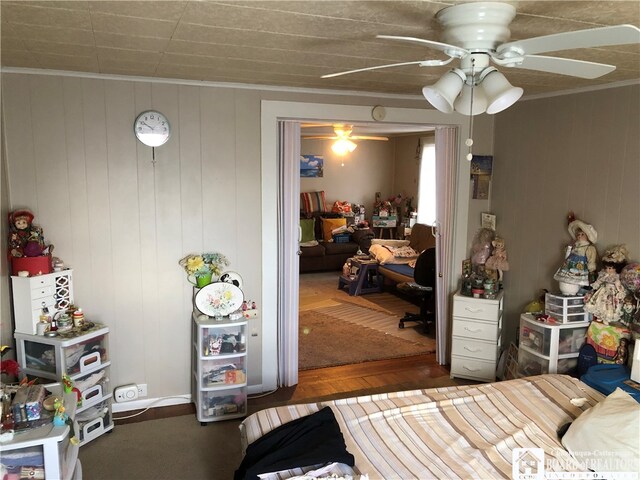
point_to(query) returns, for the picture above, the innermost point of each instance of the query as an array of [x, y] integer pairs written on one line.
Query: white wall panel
[[577, 152]]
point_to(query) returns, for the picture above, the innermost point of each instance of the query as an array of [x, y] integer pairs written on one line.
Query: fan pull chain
[[469, 141]]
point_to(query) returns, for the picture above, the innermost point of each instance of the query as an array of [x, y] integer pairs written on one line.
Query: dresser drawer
[[477, 309], [474, 349], [475, 330], [474, 369], [41, 281]]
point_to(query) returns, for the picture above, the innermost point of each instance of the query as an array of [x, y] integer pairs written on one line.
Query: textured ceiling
[[285, 43]]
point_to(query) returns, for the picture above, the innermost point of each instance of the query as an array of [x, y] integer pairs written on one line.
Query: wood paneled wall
[[577, 152]]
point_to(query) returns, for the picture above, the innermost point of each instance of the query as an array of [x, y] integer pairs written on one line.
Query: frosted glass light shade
[[499, 92], [463, 102], [443, 93], [343, 146]]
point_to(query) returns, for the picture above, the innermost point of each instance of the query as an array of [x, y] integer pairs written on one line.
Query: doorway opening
[[278, 351]]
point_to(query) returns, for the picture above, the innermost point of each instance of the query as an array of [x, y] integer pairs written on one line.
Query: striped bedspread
[[448, 433]]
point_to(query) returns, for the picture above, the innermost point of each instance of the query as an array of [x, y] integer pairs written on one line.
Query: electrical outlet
[[142, 390]]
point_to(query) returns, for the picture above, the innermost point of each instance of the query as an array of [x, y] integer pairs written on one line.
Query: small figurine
[[628, 310], [498, 259], [580, 259], [253, 305], [481, 246], [244, 306], [622, 352], [607, 297]]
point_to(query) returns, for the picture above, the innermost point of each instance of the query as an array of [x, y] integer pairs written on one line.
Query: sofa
[[320, 253]]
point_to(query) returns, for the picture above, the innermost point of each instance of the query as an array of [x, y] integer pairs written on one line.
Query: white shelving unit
[[549, 347], [84, 357], [476, 336], [219, 367], [49, 444]]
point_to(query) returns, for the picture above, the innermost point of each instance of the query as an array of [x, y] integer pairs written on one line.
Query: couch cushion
[[333, 248], [314, 251]]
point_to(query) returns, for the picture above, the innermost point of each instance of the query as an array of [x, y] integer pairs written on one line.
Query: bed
[[455, 432]]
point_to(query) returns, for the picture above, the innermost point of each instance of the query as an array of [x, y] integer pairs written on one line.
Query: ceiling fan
[[342, 135], [475, 33]]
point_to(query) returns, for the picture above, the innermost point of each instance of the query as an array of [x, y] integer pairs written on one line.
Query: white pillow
[[606, 438]]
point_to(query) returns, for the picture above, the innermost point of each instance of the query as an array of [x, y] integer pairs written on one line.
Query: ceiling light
[[343, 146], [443, 93], [500, 94], [463, 102]]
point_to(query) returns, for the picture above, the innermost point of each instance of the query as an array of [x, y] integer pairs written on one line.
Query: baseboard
[[151, 403]]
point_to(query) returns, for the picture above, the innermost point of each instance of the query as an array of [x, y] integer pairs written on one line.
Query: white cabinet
[[84, 357], [549, 347], [476, 333], [219, 368], [31, 294], [46, 446]]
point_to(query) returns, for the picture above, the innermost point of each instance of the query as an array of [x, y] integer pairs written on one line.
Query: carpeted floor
[[326, 341]]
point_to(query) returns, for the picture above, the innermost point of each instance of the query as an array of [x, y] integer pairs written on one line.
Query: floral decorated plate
[[231, 277], [219, 299]]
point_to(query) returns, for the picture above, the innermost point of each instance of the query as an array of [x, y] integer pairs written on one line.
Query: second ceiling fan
[[342, 135]]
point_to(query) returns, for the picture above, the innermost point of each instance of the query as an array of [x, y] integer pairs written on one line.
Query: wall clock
[[152, 128]]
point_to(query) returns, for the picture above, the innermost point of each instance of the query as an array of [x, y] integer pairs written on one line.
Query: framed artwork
[[311, 166], [488, 221], [481, 169]]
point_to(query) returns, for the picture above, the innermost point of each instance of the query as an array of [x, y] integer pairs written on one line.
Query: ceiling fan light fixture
[[500, 94], [463, 102], [443, 93], [342, 146]]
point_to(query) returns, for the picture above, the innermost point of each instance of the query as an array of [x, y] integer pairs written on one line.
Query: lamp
[[342, 146], [463, 102], [500, 94], [443, 93], [454, 92]]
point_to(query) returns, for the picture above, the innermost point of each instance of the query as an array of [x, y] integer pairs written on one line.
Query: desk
[[367, 280]]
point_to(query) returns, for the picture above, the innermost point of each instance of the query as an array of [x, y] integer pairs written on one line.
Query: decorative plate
[[231, 277], [219, 299]]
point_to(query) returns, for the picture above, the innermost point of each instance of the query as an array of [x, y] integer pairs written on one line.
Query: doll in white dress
[[606, 299]]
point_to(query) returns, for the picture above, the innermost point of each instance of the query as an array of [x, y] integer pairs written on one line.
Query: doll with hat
[[579, 265], [20, 224], [606, 299]]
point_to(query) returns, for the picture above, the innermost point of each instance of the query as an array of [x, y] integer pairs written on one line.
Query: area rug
[[325, 341]]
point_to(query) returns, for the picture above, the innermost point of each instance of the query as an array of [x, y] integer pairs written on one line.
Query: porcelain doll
[[628, 310], [606, 299], [579, 264]]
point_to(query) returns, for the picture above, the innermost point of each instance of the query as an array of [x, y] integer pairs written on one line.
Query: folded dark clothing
[[311, 440]]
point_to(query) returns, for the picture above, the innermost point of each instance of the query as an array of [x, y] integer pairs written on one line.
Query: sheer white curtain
[[288, 231], [446, 166], [428, 185]]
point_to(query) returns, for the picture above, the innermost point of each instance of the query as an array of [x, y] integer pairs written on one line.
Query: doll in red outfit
[[19, 231]]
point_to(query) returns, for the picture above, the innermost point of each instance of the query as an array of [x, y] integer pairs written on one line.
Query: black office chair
[[423, 286]]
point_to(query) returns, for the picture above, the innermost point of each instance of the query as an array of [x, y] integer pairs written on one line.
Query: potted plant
[[204, 268]]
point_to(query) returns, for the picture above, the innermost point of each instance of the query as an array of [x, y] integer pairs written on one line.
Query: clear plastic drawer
[[226, 340], [229, 371], [223, 403], [530, 364], [535, 337]]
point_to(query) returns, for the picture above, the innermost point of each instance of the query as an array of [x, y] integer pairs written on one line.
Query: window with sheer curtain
[[427, 185]]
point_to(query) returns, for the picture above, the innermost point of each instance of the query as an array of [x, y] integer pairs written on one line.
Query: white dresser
[[31, 294], [476, 334]]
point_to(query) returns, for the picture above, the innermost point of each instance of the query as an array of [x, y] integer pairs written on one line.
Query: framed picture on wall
[[311, 166]]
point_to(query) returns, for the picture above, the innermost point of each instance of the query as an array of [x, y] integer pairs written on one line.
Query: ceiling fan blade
[[359, 137], [592, 37], [320, 137], [315, 125], [371, 68], [450, 50], [563, 66]]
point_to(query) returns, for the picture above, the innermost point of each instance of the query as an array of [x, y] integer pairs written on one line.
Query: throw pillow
[[384, 254], [311, 202], [610, 341], [329, 224], [605, 437], [307, 232]]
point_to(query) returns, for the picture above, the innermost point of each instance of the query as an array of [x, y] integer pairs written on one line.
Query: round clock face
[[152, 128]]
